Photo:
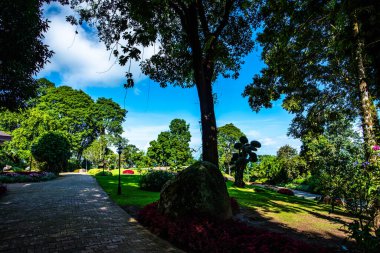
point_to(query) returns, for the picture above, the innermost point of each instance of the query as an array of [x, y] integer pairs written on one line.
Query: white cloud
[[80, 59]]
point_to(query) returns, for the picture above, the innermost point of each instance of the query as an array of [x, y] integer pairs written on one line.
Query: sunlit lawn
[[293, 212]]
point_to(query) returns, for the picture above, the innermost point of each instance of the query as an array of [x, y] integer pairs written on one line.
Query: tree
[[53, 150], [286, 152], [96, 152], [246, 153], [22, 52], [109, 116], [133, 156], [199, 41], [228, 135], [318, 56], [172, 147]]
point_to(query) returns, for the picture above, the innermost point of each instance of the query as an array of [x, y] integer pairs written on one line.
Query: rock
[[198, 190]]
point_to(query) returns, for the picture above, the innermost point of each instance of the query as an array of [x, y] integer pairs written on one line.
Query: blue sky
[[82, 62]]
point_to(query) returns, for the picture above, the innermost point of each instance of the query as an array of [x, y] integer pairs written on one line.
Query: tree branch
[[203, 18], [223, 22]]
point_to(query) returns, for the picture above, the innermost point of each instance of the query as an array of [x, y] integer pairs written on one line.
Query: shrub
[[22, 177], [92, 172], [104, 173], [202, 234], [154, 180], [52, 149], [128, 172], [286, 191]]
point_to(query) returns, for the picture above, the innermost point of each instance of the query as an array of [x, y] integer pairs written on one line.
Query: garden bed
[[201, 234], [26, 176]]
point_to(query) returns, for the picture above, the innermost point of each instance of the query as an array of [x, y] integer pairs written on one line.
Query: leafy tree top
[[219, 31], [22, 51]]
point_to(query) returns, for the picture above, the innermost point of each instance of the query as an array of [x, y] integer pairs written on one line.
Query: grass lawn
[[262, 207]]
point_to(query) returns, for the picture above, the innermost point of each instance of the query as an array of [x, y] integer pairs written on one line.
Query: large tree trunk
[[203, 72], [239, 173], [367, 105], [209, 134]]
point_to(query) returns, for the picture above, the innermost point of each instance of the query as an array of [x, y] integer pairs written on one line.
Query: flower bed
[[201, 234], [128, 172], [21, 177], [286, 191]]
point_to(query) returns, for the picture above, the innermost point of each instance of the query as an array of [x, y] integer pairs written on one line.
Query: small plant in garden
[[246, 153], [154, 180], [285, 191], [128, 172], [21, 177], [103, 173]]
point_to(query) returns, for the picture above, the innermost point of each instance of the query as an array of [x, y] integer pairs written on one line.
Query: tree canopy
[[318, 55], [172, 147], [22, 51]]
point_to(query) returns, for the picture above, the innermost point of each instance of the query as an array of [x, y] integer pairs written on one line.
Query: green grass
[[296, 213], [131, 193]]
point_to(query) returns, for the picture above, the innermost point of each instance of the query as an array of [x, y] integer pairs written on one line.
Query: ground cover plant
[[21, 177], [202, 234]]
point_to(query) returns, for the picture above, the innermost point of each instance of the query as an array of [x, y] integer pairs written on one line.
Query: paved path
[[69, 214]]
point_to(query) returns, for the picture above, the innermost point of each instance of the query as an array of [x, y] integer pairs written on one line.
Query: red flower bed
[[201, 234], [286, 191], [128, 172]]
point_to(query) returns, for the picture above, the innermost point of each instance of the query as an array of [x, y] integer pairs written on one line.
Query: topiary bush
[[53, 150], [285, 191], [154, 180]]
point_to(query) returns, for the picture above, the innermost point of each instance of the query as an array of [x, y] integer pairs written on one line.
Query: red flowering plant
[[204, 234], [285, 191], [128, 172]]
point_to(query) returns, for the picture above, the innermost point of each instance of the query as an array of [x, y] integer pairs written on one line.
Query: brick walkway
[[69, 214]]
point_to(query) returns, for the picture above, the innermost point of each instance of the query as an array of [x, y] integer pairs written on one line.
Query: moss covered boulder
[[198, 190]]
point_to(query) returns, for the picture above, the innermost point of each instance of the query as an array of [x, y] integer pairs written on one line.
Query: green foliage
[[109, 116], [22, 51], [133, 157], [317, 55], [52, 149], [172, 147], [103, 173], [155, 180], [228, 135], [93, 172], [71, 112], [246, 153]]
